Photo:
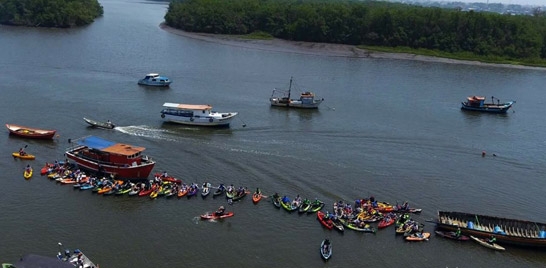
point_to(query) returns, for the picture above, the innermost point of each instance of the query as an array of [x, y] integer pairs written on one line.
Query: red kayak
[[213, 216], [145, 192], [385, 222], [326, 222]]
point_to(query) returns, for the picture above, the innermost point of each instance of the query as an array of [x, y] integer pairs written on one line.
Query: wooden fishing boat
[[93, 123], [506, 231], [25, 156], [32, 133], [477, 103], [486, 244], [326, 249]]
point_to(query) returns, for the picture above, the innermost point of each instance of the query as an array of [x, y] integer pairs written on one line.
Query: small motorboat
[[326, 249], [154, 79], [93, 123]]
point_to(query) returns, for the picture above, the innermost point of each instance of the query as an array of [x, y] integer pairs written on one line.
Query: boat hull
[[488, 108], [487, 245], [509, 231], [31, 133], [26, 156], [221, 120], [278, 102], [143, 82], [99, 124]]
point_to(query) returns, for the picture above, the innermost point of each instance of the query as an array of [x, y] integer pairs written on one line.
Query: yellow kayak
[[27, 174], [25, 156]]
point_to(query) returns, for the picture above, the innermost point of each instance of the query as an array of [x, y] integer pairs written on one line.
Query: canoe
[[326, 222], [212, 216], [451, 235], [486, 244], [28, 132], [418, 237], [107, 125], [25, 156], [27, 174], [325, 250]]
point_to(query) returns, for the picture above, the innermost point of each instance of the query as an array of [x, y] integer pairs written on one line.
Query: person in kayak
[[492, 239], [28, 168], [458, 232], [220, 211], [326, 245], [22, 152]]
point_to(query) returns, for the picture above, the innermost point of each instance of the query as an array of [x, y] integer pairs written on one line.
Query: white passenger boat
[[154, 79], [195, 115]]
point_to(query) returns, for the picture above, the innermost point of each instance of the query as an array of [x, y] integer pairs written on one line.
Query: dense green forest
[[370, 23], [49, 13]]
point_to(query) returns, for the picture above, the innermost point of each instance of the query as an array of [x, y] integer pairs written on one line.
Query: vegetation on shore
[[384, 26], [49, 13]]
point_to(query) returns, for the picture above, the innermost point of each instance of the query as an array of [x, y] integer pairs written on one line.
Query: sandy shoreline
[[324, 49]]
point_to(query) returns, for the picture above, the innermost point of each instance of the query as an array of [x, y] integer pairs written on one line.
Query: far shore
[[324, 49]]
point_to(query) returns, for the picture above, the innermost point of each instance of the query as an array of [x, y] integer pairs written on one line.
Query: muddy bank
[[324, 49]]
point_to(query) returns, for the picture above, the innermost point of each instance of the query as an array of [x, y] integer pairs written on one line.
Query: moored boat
[[196, 115], [477, 103], [507, 231], [282, 98], [154, 79], [28, 132], [107, 124], [106, 157]]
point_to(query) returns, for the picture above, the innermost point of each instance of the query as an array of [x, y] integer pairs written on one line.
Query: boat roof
[[152, 74], [33, 261], [187, 106], [110, 146], [476, 98]]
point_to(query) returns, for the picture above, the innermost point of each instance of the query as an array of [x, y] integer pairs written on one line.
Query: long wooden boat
[[477, 103], [107, 124], [507, 231], [32, 133], [102, 156]]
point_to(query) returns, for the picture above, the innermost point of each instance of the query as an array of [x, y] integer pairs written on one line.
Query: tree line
[[369, 23], [49, 13]]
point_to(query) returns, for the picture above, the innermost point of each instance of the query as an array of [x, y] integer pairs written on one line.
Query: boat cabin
[[154, 77], [475, 101], [108, 152], [186, 110], [307, 97]]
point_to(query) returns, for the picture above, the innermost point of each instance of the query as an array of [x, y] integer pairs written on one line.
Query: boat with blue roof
[[478, 104]]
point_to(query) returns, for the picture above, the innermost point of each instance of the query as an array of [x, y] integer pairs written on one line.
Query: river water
[[388, 128]]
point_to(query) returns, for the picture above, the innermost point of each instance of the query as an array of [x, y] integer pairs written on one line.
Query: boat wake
[[147, 132]]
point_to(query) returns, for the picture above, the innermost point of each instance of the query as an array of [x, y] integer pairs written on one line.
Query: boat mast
[[289, 88]]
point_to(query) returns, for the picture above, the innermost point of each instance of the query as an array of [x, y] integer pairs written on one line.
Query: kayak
[[27, 174], [183, 191], [256, 197], [418, 237], [212, 216], [276, 200], [326, 222], [386, 222], [365, 228], [305, 206], [451, 235], [25, 156], [487, 244], [325, 250], [316, 206]]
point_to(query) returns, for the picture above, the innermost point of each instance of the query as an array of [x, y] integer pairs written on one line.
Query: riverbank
[[325, 49]]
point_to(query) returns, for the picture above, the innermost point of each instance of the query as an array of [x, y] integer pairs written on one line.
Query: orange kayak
[[256, 197]]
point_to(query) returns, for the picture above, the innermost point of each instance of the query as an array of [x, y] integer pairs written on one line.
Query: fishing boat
[[506, 231], [196, 115], [477, 103], [283, 98], [326, 249], [154, 79], [93, 123], [102, 156], [32, 133], [487, 244]]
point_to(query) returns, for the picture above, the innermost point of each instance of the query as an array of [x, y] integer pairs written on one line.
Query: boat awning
[[33, 261], [187, 106], [475, 98], [110, 146]]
